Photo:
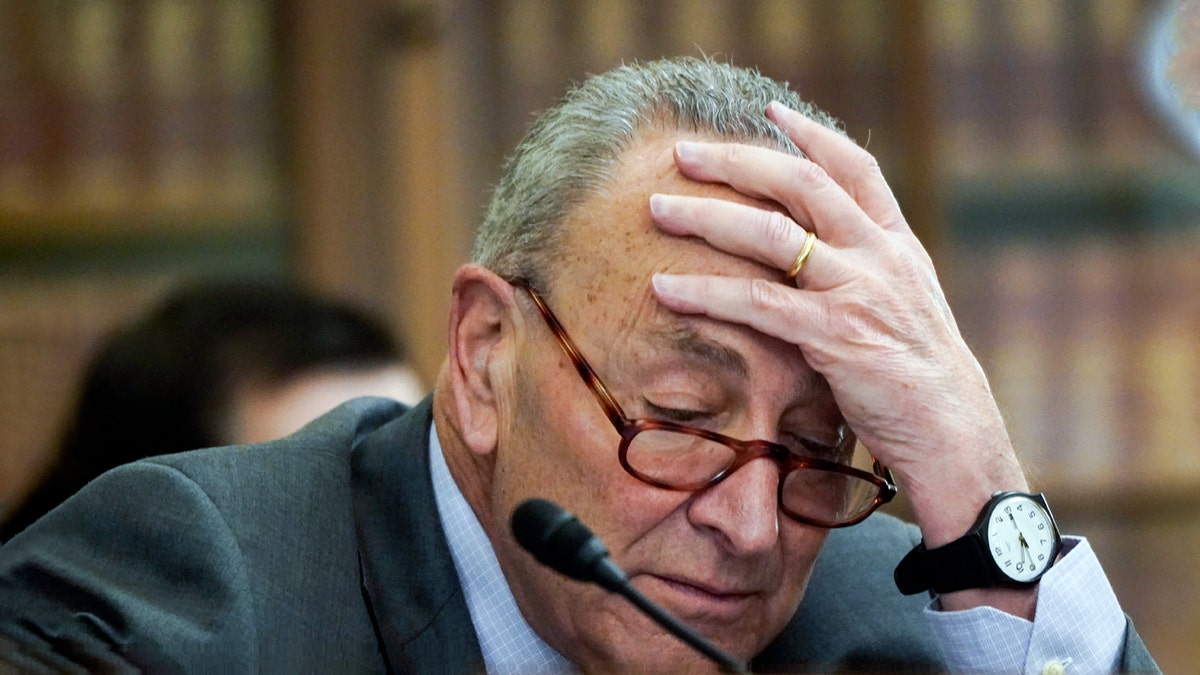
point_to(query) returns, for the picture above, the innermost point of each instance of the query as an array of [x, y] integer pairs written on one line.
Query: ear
[[482, 353]]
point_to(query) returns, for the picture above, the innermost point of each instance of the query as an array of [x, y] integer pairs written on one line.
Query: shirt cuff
[[1079, 625]]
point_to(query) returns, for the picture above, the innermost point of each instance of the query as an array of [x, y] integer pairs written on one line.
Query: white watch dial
[[1021, 538]]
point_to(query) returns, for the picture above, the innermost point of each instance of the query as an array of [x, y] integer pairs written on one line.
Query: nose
[[742, 510]]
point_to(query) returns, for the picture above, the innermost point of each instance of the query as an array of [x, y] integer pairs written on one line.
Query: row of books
[[136, 108], [1015, 86], [170, 103], [1093, 349]]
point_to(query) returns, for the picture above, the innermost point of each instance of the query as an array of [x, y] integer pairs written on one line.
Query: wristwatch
[[1012, 544]]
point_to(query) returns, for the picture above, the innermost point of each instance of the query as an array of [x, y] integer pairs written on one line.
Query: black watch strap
[[956, 566], [967, 562]]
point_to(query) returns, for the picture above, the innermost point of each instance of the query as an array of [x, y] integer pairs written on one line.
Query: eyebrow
[[685, 338]]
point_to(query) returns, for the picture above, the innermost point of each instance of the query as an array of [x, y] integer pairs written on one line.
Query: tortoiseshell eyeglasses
[[818, 485]]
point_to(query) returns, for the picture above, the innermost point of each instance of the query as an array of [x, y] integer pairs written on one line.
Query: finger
[[762, 235], [804, 188], [850, 166], [767, 307]]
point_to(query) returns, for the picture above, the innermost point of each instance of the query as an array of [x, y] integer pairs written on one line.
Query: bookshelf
[[117, 114], [1073, 216], [139, 144]]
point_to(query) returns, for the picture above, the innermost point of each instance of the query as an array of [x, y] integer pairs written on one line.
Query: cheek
[[552, 444], [800, 545], [560, 446], [556, 444]]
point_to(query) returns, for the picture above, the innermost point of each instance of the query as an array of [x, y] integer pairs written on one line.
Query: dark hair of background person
[[165, 382]]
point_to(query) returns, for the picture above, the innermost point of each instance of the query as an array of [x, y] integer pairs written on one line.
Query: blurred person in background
[[217, 363]]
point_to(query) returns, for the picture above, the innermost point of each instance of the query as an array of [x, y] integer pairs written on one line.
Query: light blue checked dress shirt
[[981, 640], [509, 645]]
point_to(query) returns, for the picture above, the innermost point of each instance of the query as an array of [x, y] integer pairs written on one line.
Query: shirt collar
[[508, 644]]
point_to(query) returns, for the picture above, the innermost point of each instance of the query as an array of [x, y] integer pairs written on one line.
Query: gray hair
[[570, 151]]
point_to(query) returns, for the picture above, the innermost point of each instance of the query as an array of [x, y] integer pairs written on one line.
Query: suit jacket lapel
[[408, 576]]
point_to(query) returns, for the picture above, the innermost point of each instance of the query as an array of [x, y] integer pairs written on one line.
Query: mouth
[[698, 601]]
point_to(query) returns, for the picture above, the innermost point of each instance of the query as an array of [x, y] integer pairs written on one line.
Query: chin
[[654, 657], [628, 641], [675, 657]]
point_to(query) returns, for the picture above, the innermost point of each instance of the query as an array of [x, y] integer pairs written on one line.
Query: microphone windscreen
[[557, 538]]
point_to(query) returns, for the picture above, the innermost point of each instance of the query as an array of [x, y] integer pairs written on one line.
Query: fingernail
[[658, 205], [686, 150], [664, 283], [672, 291]]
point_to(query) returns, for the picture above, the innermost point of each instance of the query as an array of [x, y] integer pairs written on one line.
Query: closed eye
[[806, 447], [677, 415]]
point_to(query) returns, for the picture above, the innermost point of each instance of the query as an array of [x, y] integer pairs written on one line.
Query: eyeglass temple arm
[[611, 408]]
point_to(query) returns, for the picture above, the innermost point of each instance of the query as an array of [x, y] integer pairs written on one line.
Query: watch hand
[[1020, 534], [1013, 520]]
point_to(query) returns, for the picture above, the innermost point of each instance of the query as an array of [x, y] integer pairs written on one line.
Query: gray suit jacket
[[323, 552]]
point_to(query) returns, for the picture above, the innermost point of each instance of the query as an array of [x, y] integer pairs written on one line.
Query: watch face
[[1021, 538]]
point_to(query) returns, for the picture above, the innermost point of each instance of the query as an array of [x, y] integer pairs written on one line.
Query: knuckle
[[762, 294], [868, 162], [776, 228], [809, 173], [735, 154]]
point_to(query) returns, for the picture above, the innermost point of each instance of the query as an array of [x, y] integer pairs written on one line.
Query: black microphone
[[560, 541]]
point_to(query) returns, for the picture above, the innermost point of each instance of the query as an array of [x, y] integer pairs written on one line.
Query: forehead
[[612, 249], [612, 245]]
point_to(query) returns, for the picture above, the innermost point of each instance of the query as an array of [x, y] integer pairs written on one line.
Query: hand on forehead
[[612, 243]]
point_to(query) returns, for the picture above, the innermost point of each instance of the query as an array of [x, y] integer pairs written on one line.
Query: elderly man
[[689, 298]]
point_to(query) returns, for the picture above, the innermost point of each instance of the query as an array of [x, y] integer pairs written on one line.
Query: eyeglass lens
[[688, 462]]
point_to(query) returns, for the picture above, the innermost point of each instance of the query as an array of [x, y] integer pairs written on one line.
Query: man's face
[[724, 560]]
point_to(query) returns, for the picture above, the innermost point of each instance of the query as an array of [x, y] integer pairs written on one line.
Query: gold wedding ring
[[806, 250]]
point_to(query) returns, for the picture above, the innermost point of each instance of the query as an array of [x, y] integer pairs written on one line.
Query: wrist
[[1020, 602], [944, 515], [998, 562], [947, 491]]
